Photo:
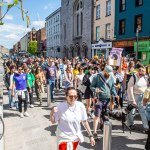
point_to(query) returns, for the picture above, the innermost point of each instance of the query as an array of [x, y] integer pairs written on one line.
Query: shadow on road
[[52, 129], [8, 115]]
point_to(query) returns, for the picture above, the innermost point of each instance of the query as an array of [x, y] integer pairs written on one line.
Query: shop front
[[101, 48], [127, 45], [143, 50]]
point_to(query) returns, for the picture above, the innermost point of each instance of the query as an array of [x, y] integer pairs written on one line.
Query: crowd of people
[[102, 86]]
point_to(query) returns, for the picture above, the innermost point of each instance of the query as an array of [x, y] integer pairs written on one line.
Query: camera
[[129, 108]]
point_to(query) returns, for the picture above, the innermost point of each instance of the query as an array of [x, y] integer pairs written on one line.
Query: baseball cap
[[109, 70]]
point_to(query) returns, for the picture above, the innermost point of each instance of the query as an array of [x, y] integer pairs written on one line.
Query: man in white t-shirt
[[136, 88]]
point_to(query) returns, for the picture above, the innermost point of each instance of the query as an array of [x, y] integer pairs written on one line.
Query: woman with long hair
[[39, 81], [69, 77]]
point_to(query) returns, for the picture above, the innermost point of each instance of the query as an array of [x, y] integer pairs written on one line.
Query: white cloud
[[11, 33], [14, 28], [9, 17], [38, 24], [12, 37]]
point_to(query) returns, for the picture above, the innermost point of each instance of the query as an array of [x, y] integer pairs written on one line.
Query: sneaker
[[31, 106], [95, 136], [26, 114], [21, 115]]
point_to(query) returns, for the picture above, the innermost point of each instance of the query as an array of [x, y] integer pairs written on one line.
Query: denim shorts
[[100, 107]]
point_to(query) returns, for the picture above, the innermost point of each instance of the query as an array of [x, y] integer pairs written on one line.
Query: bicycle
[[2, 128]]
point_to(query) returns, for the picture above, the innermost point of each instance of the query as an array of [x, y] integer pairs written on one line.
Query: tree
[[32, 47], [16, 3]]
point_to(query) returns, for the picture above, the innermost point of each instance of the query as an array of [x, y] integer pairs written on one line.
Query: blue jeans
[[52, 85], [130, 117], [11, 99]]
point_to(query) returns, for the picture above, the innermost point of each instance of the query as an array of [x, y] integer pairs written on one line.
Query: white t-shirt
[[69, 119], [140, 85], [79, 77]]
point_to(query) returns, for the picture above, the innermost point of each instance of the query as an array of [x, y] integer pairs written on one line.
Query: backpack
[[134, 77]]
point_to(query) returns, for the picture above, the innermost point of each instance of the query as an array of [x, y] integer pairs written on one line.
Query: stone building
[[76, 27]]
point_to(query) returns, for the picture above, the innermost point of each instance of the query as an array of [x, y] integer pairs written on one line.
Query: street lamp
[[137, 41]]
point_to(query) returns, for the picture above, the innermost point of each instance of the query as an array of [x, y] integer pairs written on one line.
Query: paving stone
[[37, 133]]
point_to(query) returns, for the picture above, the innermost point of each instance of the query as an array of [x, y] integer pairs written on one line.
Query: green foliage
[[1, 23], [16, 2], [32, 47], [11, 5]]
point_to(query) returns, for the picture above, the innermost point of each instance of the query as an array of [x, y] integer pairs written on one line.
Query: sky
[[14, 27]]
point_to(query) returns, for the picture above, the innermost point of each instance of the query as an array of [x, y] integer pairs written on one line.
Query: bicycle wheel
[[2, 127]]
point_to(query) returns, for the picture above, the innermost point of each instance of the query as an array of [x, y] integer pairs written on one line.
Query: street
[[37, 133]]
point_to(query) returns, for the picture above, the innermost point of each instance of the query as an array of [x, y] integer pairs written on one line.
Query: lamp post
[[137, 41]]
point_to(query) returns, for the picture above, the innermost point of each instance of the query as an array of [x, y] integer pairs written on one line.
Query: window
[[78, 18], [122, 26], [97, 33], [64, 31], [97, 12], [108, 31], [77, 24], [108, 8], [138, 23], [81, 23], [138, 3], [122, 5]]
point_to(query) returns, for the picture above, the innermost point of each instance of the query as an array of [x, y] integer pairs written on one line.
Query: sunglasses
[[20, 69], [73, 96]]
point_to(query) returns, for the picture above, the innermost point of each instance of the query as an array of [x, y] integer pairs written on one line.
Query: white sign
[[102, 45]]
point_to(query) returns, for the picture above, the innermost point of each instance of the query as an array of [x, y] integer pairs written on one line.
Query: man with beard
[[103, 85]]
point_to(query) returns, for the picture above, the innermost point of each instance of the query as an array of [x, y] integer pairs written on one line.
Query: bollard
[[107, 133], [48, 96]]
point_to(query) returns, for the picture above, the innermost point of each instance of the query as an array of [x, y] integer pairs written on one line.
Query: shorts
[[88, 93], [101, 108]]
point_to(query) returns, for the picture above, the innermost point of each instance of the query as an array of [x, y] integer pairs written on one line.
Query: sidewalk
[[37, 133]]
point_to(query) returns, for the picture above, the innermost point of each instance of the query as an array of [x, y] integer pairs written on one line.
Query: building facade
[[132, 25], [53, 34], [76, 27], [24, 43], [103, 24], [41, 42]]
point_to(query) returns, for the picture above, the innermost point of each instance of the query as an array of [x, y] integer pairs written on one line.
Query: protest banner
[[115, 57]]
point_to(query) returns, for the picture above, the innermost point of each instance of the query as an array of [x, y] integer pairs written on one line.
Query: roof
[[53, 13]]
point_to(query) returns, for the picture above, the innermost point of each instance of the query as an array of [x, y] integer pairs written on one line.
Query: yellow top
[[75, 72]]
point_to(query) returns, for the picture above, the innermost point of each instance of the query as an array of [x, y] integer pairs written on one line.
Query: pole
[[107, 135], [48, 96], [137, 41]]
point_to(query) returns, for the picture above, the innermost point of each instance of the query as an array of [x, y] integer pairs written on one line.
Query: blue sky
[[15, 28]]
